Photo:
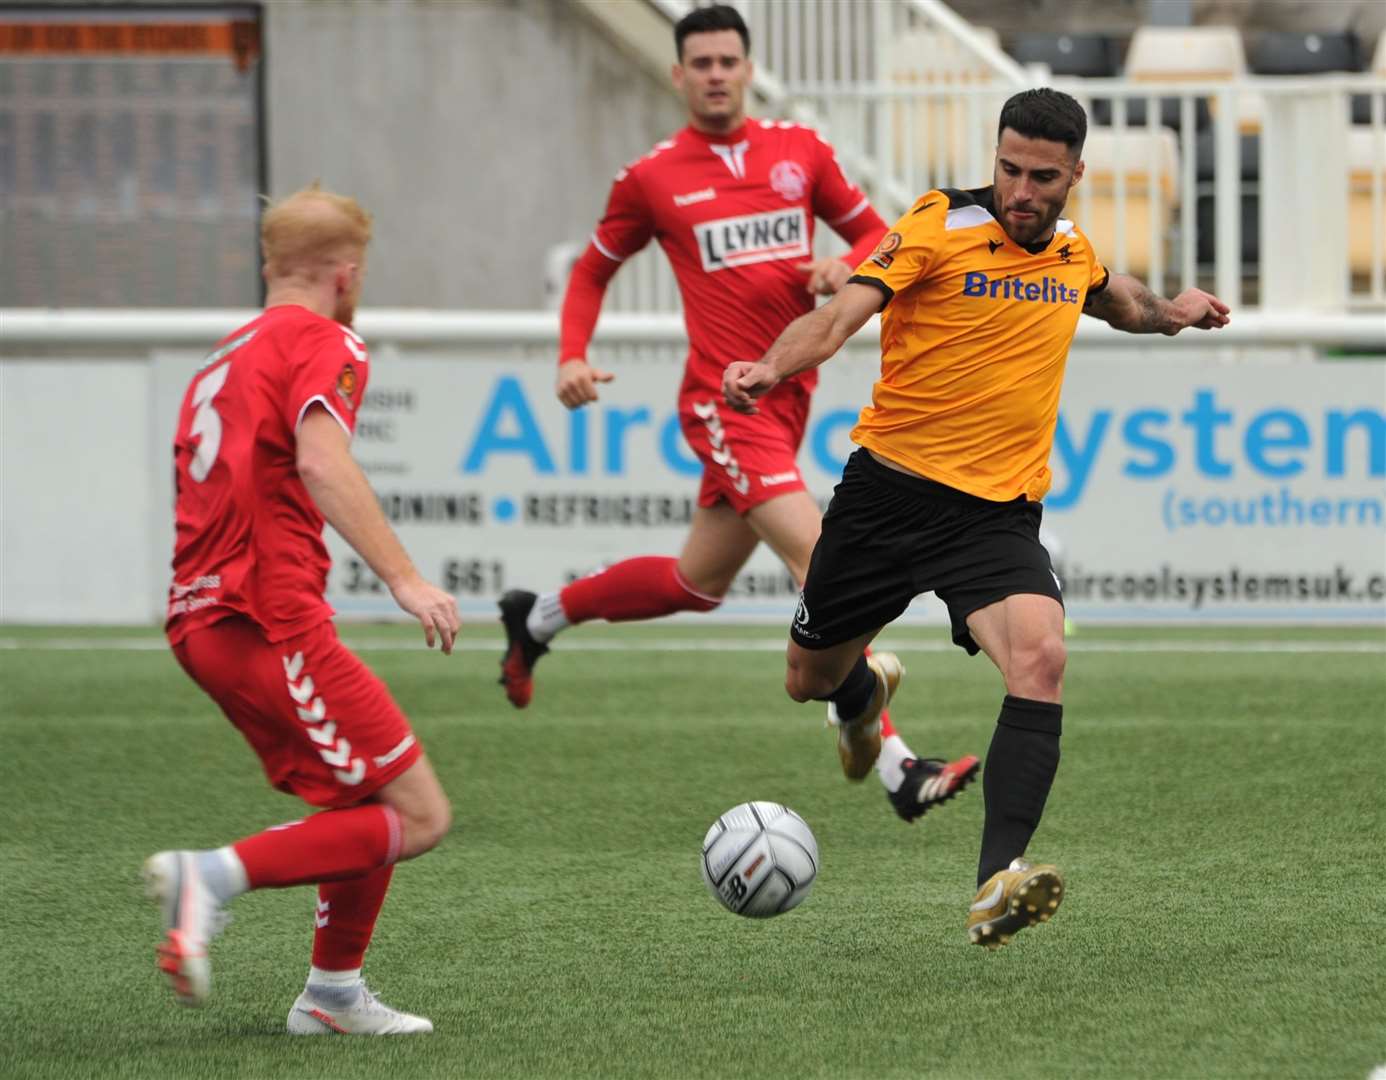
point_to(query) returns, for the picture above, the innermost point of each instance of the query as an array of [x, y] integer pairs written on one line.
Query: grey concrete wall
[[479, 133]]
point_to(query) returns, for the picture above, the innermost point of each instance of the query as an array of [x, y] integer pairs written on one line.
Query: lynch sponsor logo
[[692, 197], [1046, 291], [754, 238]]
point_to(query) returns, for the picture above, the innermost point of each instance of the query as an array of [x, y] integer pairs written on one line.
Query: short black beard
[[1045, 228]]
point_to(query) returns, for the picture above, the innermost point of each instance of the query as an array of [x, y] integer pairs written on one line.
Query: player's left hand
[[1200, 310], [744, 381], [435, 609], [825, 276]]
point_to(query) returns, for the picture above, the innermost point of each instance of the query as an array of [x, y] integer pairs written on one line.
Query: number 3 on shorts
[[206, 422]]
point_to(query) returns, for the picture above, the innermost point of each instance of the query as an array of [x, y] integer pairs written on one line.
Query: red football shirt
[[735, 215], [249, 537]]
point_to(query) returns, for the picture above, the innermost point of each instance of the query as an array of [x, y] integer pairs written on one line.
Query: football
[[759, 859]]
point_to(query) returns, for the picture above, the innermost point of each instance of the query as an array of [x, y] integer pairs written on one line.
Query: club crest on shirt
[[789, 180], [346, 385], [884, 254]]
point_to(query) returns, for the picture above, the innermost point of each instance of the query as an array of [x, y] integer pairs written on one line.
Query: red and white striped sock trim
[[396, 835], [707, 598]]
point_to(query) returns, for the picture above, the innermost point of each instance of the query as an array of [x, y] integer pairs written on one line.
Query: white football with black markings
[[760, 859]]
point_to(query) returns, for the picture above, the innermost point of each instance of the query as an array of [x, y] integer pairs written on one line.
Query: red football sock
[[346, 919], [331, 846], [642, 588]]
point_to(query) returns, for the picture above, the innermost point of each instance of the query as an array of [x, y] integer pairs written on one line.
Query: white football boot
[[192, 917], [368, 1016]]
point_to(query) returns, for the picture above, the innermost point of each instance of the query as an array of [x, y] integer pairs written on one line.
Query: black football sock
[[1021, 764], [856, 691]]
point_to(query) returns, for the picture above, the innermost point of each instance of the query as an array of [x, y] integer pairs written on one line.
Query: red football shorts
[[747, 460], [324, 725]]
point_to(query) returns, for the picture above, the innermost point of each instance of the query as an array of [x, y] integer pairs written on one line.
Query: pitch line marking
[[712, 644]]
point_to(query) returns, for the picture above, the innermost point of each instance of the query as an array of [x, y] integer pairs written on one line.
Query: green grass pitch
[[1219, 815]]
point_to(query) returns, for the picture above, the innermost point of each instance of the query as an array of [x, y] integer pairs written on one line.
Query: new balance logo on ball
[[753, 238]]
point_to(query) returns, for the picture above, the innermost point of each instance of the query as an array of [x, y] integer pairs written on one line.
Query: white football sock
[[223, 873], [889, 766], [319, 977], [546, 617], [338, 989]]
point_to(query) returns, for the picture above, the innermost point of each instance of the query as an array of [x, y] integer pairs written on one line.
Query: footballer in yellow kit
[[980, 292]]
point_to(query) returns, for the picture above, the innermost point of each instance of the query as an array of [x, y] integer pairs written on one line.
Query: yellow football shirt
[[975, 332]]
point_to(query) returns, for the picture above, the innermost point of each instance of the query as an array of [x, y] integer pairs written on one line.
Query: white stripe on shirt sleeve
[[851, 213], [602, 248], [323, 402]]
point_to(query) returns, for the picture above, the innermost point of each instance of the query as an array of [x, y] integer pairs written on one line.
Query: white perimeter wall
[[1243, 483]]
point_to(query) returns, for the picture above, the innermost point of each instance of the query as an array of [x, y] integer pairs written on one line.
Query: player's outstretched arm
[[342, 493], [806, 342], [1127, 304], [582, 303]]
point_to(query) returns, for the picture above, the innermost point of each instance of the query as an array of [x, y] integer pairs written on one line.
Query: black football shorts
[[889, 536]]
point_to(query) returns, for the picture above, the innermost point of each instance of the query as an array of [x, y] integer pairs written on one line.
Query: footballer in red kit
[[735, 214], [249, 537], [249, 545], [733, 202], [262, 461]]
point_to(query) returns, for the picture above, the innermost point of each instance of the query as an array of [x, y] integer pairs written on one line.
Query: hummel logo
[[692, 197], [1065, 254], [989, 901], [994, 244]]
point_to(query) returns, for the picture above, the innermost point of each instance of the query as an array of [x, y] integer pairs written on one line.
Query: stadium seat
[[1206, 216], [1366, 156], [1282, 52], [1248, 171], [1086, 56], [1193, 54], [1185, 53], [1149, 163], [1171, 117]]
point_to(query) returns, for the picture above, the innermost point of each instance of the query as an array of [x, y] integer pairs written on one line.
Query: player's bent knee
[[425, 828], [802, 683], [1038, 671]]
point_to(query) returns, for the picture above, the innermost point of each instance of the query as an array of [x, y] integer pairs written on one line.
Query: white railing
[[1179, 189], [28, 332], [1168, 206], [842, 42]]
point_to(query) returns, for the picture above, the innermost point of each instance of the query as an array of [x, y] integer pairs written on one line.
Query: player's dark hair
[[1046, 114], [705, 20]]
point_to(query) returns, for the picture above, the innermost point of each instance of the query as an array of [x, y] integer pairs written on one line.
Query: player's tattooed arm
[[1126, 304]]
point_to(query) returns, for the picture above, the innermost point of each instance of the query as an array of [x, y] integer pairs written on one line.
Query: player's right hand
[[577, 382], [435, 609], [744, 381]]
